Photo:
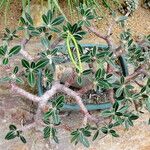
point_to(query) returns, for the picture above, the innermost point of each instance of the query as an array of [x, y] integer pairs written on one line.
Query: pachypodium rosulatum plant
[[94, 67]]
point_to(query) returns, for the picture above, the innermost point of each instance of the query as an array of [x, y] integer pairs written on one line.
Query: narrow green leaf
[[12, 127], [84, 141], [45, 19], [25, 63], [47, 131], [16, 69], [59, 101], [58, 21], [113, 133], [10, 135], [95, 135], [5, 61], [29, 19], [15, 50], [79, 80], [2, 52], [41, 63], [87, 72], [49, 16], [116, 106], [23, 139], [47, 114], [134, 117], [31, 79], [119, 92], [56, 118], [19, 80]]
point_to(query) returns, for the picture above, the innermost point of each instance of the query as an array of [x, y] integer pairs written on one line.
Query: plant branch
[[27, 127], [23, 52], [104, 37], [140, 70], [24, 93]]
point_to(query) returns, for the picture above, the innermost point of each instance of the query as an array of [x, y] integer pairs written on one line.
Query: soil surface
[[16, 110]]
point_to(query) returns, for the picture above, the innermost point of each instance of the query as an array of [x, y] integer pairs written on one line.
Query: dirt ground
[[15, 109]]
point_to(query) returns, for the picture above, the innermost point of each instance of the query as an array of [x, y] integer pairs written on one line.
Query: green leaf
[[86, 72], [104, 84], [49, 16], [104, 130], [47, 114], [29, 19], [93, 53], [22, 20], [133, 117], [79, 80], [19, 80], [122, 80], [16, 70], [35, 33], [95, 135], [10, 135], [116, 106], [56, 139], [2, 52], [102, 54], [143, 89], [57, 21], [113, 133], [84, 141], [31, 79], [47, 131], [85, 58], [12, 127], [107, 113], [45, 19], [118, 114], [123, 109], [59, 102], [15, 50], [23, 139], [33, 65], [98, 74], [45, 43], [5, 61], [130, 122], [25, 63], [130, 42], [5, 79], [53, 29], [41, 63], [56, 118], [77, 36], [74, 137], [119, 92]]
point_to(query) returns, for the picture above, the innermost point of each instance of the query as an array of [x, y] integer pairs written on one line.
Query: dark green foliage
[[97, 61], [13, 133]]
